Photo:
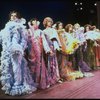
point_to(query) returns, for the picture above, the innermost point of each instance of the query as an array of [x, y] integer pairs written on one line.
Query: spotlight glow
[[75, 3], [95, 4], [80, 3], [81, 8]]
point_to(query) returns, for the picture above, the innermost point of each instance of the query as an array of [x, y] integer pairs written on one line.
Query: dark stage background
[[60, 10], [57, 9]]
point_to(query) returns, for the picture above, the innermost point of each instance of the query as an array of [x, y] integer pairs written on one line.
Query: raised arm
[[31, 28]]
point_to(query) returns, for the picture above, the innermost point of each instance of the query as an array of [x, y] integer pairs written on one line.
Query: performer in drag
[[54, 45], [36, 45], [15, 75]]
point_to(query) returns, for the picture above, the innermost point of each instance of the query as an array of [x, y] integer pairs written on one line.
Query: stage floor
[[80, 88]]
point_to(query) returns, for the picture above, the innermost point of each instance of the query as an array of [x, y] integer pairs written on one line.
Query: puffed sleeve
[[55, 32], [45, 43]]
